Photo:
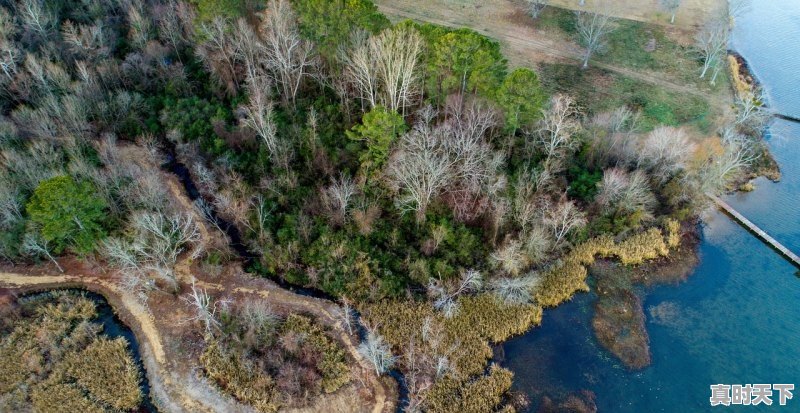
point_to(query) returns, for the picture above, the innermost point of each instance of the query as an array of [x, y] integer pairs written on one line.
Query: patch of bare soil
[[691, 14]]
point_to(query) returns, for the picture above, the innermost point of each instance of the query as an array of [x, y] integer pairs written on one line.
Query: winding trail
[[178, 393], [525, 45], [173, 387]]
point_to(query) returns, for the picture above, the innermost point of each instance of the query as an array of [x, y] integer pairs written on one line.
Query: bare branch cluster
[[384, 68], [593, 29], [445, 294]]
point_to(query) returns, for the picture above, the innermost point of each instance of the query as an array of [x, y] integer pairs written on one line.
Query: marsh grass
[[55, 360]]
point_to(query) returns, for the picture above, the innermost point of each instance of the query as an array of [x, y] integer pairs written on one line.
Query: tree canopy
[[378, 129], [330, 23], [522, 98], [461, 61], [67, 213]]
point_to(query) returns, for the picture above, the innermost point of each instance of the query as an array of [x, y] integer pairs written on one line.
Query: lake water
[[735, 320]]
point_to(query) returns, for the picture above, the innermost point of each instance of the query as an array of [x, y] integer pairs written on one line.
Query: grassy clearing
[[596, 91], [627, 46]]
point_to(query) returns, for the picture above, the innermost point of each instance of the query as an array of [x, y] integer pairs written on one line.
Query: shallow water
[[734, 320]]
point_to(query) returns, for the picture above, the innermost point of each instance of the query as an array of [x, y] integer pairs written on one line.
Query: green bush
[[194, 118], [329, 24], [68, 214], [461, 60]]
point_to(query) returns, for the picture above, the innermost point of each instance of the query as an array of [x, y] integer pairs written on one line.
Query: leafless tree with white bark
[[384, 68], [711, 42], [516, 290], [555, 137], [535, 7], [35, 246], [259, 114], [739, 152], [627, 192], [665, 151], [593, 29], [219, 52], [289, 56], [337, 198], [377, 351], [671, 6], [206, 309], [445, 295], [562, 218]]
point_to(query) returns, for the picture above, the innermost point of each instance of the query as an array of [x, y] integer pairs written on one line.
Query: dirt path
[[176, 392], [523, 44]]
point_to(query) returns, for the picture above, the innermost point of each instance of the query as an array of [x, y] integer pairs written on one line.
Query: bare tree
[[510, 257], [250, 50], [384, 68], [445, 295], [35, 246], [628, 192], [288, 55], [535, 7], [711, 43], [399, 50], [377, 352], [360, 69], [562, 218], [337, 197], [612, 139], [453, 155], [739, 152], [516, 291], [593, 29], [420, 168], [219, 51], [141, 29], [347, 315], [173, 19], [11, 205], [86, 41], [557, 129], [156, 241], [737, 7], [35, 17], [205, 308], [671, 6], [665, 151], [258, 114], [750, 113]]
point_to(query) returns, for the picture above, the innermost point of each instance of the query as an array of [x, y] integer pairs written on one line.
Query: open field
[[691, 14], [543, 42]]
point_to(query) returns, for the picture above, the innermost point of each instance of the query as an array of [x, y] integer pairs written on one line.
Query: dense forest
[[403, 169]]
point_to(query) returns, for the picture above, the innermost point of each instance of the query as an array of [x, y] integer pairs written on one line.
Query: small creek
[[176, 167]]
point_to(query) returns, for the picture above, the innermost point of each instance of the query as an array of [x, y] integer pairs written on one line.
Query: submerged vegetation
[[401, 168]]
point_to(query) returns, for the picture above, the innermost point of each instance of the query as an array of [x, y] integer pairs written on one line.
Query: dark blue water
[[735, 320]]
